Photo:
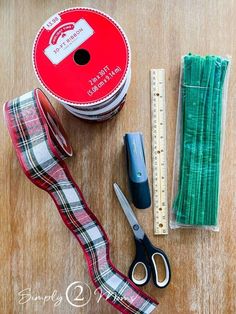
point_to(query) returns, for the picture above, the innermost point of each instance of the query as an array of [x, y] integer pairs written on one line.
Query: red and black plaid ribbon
[[41, 146]]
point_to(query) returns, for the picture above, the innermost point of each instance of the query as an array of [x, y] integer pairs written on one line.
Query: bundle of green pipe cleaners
[[197, 198]]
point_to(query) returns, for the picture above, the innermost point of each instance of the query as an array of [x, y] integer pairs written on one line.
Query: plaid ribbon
[[41, 146]]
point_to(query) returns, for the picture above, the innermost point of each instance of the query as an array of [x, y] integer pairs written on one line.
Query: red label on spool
[[81, 56]]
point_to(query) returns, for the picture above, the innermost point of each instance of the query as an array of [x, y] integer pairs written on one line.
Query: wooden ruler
[[159, 161]]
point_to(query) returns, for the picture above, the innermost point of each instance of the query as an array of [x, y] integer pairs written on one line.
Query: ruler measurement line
[[159, 158]]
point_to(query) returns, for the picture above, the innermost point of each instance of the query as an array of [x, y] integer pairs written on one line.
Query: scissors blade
[[137, 230]]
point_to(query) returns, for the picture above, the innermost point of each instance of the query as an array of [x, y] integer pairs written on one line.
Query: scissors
[[145, 251]]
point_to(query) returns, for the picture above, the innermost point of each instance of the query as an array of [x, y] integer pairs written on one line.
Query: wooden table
[[37, 251]]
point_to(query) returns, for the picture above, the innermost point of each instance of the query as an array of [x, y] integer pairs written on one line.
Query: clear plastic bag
[[199, 133]]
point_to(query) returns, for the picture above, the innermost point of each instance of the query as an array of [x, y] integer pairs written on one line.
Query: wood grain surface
[[37, 251]]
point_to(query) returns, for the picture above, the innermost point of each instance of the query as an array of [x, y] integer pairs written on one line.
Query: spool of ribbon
[[82, 57], [41, 145]]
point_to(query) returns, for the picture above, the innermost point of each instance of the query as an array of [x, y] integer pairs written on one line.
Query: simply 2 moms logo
[[77, 294]]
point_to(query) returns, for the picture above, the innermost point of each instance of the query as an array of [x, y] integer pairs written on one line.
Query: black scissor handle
[[152, 251], [140, 259]]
